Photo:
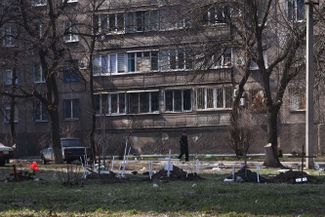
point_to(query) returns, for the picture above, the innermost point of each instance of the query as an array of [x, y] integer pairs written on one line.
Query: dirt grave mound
[[294, 177], [246, 175], [176, 174]]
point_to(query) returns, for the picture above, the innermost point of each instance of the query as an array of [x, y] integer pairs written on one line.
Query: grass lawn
[[209, 197]]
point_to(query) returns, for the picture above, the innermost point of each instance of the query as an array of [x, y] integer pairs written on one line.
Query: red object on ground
[[34, 167]]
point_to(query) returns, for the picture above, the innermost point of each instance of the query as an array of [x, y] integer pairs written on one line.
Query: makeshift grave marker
[[197, 166], [169, 166], [150, 169], [258, 168], [125, 160], [112, 167]]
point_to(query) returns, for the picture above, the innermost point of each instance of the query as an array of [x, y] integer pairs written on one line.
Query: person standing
[[183, 146]]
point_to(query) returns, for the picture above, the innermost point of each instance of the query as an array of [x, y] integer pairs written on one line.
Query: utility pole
[[310, 84]]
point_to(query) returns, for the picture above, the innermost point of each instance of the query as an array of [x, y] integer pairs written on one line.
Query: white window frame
[[6, 114], [118, 102], [255, 66], [42, 79], [72, 115], [215, 102], [7, 77], [295, 11], [210, 23], [222, 64], [295, 100], [108, 32], [182, 100], [139, 102], [41, 117], [71, 37], [8, 33], [125, 65], [176, 52]]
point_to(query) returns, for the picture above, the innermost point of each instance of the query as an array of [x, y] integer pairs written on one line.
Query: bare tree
[[42, 37]]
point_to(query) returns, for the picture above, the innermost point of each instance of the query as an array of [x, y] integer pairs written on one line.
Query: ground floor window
[[40, 112], [6, 114], [297, 99], [71, 109]]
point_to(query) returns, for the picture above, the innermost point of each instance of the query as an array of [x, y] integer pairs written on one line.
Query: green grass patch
[[210, 197]]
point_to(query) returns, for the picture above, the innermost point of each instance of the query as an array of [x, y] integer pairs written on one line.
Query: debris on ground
[[23, 175], [294, 177], [246, 175], [176, 174]]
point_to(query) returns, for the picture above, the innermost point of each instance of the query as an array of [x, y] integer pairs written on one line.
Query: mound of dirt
[[176, 174], [246, 175], [294, 177]]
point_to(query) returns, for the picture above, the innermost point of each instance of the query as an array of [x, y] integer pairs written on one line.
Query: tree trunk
[[12, 121], [55, 128], [93, 109], [271, 150]]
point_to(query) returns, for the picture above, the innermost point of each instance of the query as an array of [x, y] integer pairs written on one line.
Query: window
[[127, 103], [296, 10], [40, 112], [38, 74], [143, 102], [178, 100], [143, 61], [110, 23], [6, 114], [216, 14], [169, 20], [9, 34], [222, 59], [253, 65], [8, 77], [38, 3], [297, 100], [39, 29], [71, 109], [70, 71], [176, 59], [118, 103], [214, 98], [125, 62], [102, 104], [141, 21], [71, 32]]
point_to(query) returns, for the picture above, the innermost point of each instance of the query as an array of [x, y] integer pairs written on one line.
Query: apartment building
[[158, 71]]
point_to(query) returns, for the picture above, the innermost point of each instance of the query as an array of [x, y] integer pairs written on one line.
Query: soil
[[247, 175], [294, 177], [176, 174], [289, 177]]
